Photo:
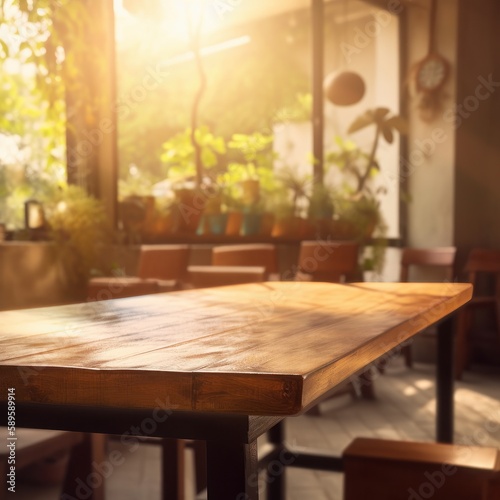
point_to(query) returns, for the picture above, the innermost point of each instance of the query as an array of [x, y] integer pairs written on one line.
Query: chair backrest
[[247, 255], [163, 262], [209, 276], [443, 257], [484, 260], [328, 260]]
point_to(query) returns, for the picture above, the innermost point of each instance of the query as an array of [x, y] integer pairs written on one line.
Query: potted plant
[[180, 162], [251, 176], [80, 229], [321, 210], [357, 205]]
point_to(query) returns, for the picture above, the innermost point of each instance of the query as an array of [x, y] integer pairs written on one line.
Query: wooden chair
[[393, 470], [35, 445], [481, 263], [209, 276], [333, 261], [247, 255], [439, 257], [161, 269]]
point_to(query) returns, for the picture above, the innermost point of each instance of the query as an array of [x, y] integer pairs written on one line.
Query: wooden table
[[223, 364]]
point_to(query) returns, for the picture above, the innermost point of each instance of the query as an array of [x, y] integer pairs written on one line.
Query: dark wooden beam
[[318, 41]]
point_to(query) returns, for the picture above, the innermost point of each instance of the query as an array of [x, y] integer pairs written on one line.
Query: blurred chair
[[439, 257], [483, 271], [210, 276], [334, 261], [161, 269], [259, 254], [52, 458]]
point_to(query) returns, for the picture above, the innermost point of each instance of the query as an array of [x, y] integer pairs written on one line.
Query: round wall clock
[[431, 73]]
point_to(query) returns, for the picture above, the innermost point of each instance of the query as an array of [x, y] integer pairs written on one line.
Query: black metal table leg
[[276, 482], [445, 379], [232, 471], [173, 469]]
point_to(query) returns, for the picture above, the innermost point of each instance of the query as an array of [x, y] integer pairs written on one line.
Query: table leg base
[[232, 471]]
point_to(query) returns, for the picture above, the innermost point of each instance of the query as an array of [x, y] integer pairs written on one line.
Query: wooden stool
[[393, 470]]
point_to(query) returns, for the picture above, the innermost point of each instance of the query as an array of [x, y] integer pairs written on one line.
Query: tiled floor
[[404, 409]]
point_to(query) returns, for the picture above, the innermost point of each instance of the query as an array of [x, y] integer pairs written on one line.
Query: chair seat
[[209, 276]]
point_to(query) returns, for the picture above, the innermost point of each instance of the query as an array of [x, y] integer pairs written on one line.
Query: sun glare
[[179, 20]]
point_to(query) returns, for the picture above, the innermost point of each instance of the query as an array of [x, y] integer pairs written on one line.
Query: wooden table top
[[257, 349]]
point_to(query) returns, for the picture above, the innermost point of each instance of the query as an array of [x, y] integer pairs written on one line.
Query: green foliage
[[31, 138], [351, 162], [80, 229], [321, 203], [294, 191], [357, 203], [299, 110], [179, 156], [137, 183], [32, 110], [253, 152], [383, 121], [41, 33], [385, 125]]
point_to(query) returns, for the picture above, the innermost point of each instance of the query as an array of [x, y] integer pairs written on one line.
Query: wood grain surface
[[258, 349]]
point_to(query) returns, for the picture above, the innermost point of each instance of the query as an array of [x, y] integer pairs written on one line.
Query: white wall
[[430, 163]]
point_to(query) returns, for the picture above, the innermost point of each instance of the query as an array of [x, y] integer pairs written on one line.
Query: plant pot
[[306, 229], [251, 191], [286, 227], [323, 228], [233, 225], [217, 223], [294, 227], [343, 229], [250, 224], [187, 211], [267, 224]]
